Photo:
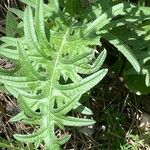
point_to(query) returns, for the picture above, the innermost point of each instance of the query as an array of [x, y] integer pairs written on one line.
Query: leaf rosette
[[54, 71]]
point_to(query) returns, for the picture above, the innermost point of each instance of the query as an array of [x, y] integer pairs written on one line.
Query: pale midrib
[[57, 59], [50, 101]]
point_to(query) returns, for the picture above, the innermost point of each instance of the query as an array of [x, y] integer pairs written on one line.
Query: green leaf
[[9, 41], [64, 139], [17, 12], [124, 49], [29, 29], [82, 109], [30, 33], [8, 53], [85, 84], [105, 18], [54, 5], [2, 88], [45, 60], [136, 84], [11, 24], [30, 138], [31, 3], [73, 7], [18, 117], [18, 82], [72, 121], [68, 105], [39, 27], [26, 64], [5, 145], [27, 110]]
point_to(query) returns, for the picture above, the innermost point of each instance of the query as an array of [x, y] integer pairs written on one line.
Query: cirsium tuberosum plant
[[56, 63], [48, 81]]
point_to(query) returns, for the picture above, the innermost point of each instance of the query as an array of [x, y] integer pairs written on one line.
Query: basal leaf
[[52, 57]]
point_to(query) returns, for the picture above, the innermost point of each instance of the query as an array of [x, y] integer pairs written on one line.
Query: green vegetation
[[61, 50]]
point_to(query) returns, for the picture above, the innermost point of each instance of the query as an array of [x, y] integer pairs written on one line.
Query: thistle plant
[[48, 81], [56, 62]]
